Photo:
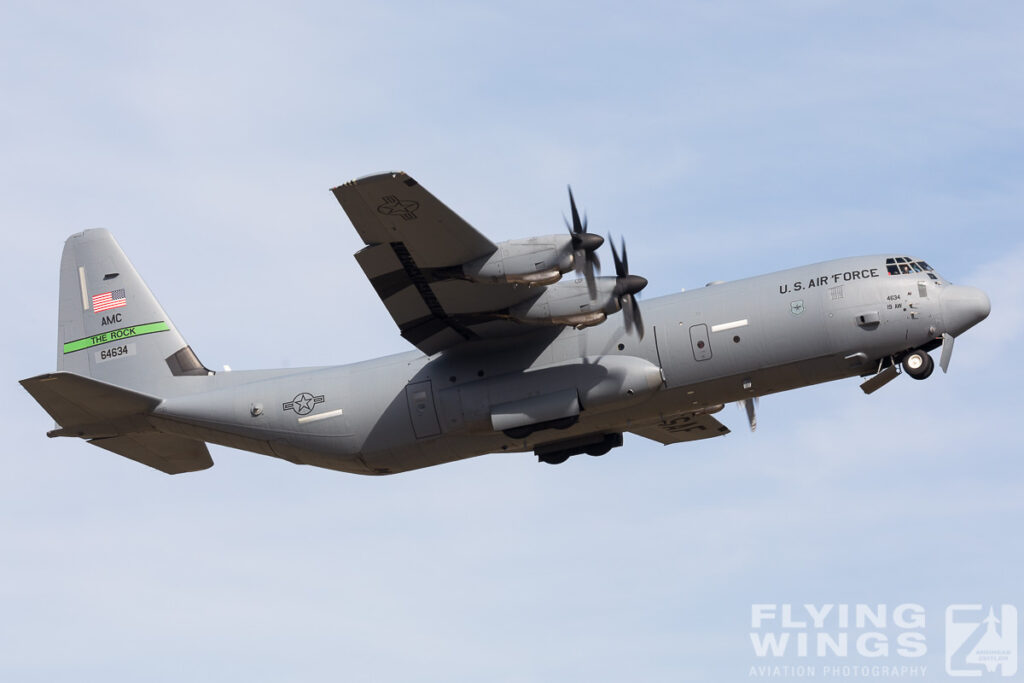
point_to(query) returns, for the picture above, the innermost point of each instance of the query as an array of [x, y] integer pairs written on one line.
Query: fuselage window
[[890, 260], [917, 268], [904, 268], [925, 266], [932, 276], [893, 269]]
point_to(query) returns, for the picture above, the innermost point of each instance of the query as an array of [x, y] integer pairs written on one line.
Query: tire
[[918, 364]]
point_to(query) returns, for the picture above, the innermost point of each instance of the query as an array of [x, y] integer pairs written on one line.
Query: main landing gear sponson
[[918, 364]]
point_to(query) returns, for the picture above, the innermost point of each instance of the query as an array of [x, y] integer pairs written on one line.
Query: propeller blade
[[750, 405], [638, 319], [947, 351], [626, 303], [578, 226], [619, 270], [588, 273]]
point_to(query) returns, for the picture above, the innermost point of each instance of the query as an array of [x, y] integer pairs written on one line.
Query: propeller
[[584, 247], [626, 288], [750, 405]]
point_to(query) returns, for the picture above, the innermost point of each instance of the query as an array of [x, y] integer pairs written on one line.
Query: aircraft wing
[[679, 428], [415, 249], [392, 207]]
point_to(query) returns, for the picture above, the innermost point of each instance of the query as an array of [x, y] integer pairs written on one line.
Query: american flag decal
[[108, 300]]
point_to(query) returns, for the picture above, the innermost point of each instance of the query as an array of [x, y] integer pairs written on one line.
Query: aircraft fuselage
[[703, 348]]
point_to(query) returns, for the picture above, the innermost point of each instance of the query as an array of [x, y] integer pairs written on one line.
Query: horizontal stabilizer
[[87, 404], [165, 452], [115, 419]]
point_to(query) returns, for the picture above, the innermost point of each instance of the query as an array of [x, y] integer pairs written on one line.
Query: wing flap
[[680, 428]]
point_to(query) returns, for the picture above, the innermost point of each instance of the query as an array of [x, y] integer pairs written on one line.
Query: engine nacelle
[[530, 261], [569, 304]]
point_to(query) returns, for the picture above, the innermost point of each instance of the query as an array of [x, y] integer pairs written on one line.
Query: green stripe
[[115, 335]]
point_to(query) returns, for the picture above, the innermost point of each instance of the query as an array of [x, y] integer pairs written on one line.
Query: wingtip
[[372, 177]]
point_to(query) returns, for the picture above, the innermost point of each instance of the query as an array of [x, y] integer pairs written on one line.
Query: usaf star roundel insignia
[[393, 206], [303, 403]]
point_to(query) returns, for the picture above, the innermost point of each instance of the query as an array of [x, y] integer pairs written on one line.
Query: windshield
[[904, 265]]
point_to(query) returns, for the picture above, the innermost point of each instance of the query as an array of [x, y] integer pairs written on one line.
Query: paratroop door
[[421, 409], [700, 342]]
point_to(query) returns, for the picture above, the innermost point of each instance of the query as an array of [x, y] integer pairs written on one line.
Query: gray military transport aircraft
[[510, 356]]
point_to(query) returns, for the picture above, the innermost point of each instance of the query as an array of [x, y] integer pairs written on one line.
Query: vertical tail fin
[[110, 326], [118, 356]]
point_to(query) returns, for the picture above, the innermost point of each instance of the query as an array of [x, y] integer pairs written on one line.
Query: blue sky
[[722, 139]]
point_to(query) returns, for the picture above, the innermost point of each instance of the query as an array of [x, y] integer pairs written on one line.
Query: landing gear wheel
[[918, 364]]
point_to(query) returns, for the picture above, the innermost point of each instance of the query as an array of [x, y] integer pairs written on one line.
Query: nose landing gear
[[918, 364]]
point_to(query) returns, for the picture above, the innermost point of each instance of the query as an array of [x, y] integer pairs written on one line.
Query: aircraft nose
[[963, 308]]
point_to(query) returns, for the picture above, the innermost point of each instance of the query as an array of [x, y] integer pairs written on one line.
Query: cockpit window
[[904, 265]]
